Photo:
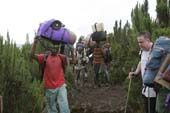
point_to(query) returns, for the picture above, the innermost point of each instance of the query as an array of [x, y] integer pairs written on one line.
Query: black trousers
[[150, 103]]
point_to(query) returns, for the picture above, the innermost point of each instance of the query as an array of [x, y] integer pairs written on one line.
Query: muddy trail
[[104, 99]]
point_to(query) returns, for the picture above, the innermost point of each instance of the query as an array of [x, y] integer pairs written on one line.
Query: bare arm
[[72, 57], [32, 53], [137, 71], [72, 54]]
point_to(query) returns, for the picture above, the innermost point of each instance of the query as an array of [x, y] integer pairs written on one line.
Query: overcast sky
[[20, 17]]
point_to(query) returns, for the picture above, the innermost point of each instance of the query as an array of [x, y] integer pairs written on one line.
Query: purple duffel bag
[[54, 30]]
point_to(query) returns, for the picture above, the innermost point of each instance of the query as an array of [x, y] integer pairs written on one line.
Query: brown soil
[[104, 99]]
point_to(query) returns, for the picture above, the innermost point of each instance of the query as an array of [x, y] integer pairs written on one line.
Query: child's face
[[80, 50], [54, 49]]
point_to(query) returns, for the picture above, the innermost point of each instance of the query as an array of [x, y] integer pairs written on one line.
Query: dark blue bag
[[160, 50]]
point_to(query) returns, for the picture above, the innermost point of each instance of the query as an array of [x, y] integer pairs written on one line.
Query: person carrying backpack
[[107, 60], [148, 93], [157, 72], [54, 81], [80, 56], [98, 62]]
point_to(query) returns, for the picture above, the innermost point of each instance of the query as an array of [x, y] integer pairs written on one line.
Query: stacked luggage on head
[[98, 32], [55, 31]]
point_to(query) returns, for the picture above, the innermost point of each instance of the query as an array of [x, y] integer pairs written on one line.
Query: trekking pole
[[129, 87], [149, 110]]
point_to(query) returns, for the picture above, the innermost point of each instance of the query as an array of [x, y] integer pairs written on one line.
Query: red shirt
[[53, 72]]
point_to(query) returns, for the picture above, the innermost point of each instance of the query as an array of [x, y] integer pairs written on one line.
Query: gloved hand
[[36, 39]]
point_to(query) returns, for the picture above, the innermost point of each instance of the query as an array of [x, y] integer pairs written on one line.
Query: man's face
[[143, 43]]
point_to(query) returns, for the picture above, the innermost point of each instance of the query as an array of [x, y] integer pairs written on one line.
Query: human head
[[107, 45], [144, 40], [81, 38], [79, 49], [54, 48]]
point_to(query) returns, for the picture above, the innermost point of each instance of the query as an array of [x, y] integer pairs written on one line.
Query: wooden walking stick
[[1, 104], [129, 87]]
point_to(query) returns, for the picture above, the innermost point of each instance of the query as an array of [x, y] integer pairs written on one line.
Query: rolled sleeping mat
[[88, 41], [72, 38], [97, 27]]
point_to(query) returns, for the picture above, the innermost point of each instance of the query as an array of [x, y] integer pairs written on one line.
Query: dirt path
[[100, 100]]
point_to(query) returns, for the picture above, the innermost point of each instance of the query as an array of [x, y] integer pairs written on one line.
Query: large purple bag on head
[[54, 30]]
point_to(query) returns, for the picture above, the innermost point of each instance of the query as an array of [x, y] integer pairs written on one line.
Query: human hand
[[35, 39], [132, 75]]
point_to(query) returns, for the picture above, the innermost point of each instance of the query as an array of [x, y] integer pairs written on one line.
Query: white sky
[[20, 17]]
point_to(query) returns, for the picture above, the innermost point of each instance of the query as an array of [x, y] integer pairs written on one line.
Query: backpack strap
[[140, 53], [62, 36], [51, 34]]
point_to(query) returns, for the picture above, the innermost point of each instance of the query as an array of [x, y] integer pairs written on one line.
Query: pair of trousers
[[100, 68], [57, 95], [149, 104]]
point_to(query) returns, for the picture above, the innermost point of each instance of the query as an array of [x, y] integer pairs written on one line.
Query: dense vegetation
[[22, 90]]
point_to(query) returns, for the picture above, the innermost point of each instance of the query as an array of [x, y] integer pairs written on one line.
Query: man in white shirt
[[149, 94]]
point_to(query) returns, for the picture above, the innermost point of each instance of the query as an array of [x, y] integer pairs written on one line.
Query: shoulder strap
[[62, 36], [140, 53]]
